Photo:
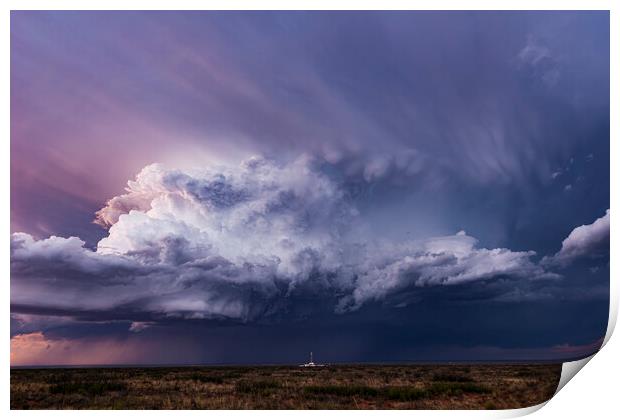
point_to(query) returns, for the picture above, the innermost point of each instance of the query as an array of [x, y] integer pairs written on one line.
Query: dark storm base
[[455, 386]]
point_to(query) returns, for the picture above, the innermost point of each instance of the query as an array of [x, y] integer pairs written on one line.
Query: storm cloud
[[415, 174], [238, 242], [584, 242]]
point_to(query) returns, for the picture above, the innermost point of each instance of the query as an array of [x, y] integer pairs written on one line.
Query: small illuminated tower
[[311, 362]]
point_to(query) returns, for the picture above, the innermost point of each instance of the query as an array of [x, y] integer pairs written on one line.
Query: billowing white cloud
[[448, 260], [240, 243], [586, 241], [257, 213]]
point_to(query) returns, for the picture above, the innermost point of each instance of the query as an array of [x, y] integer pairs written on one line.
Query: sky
[[247, 187]]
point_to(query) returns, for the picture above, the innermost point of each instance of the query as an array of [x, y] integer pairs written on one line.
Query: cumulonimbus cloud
[[241, 243]]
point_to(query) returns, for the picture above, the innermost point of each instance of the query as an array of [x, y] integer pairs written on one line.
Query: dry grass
[[285, 387]]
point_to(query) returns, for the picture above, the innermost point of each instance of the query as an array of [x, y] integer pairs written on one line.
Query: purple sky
[[376, 136]]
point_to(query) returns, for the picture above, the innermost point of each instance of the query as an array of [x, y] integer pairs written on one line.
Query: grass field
[[286, 387]]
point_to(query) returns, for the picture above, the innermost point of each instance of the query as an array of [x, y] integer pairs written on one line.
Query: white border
[[595, 393]]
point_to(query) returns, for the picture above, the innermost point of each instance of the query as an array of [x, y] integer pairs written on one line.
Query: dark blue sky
[[370, 185]]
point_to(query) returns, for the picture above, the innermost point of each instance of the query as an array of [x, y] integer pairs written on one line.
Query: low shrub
[[405, 393], [397, 393], [207, 378], [87, 388], [456, 388], [451, 377], [342, 390], [256, 387]]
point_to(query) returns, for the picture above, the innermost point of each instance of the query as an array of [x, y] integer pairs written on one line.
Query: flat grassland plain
[[453, 386]]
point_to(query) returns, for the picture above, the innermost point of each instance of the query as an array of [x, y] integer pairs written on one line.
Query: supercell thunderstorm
[[245, 242]]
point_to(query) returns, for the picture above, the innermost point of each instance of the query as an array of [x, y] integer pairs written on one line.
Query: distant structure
[[311, 363]]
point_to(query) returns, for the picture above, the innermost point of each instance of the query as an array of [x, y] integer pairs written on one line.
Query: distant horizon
[[326, 364]]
